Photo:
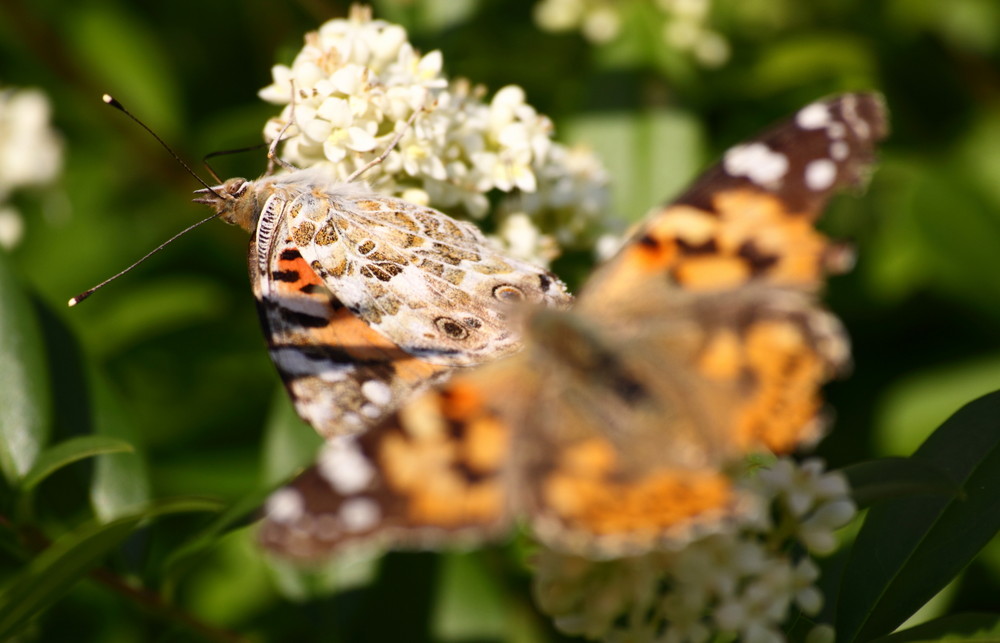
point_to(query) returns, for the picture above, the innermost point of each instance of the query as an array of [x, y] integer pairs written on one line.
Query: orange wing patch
[[340, 373]]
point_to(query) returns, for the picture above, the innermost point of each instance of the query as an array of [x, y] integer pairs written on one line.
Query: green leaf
[[963, 245], [651, 156], [470, 602], [907, 550], [914, 406], [25, 399], [68, 452], [121, 52], [289, 443], [956, 627], [120, 484], [800, 61], [889, 478], [55, 571], [185, 557]]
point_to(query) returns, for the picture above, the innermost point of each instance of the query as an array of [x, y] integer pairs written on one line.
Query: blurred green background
[[171, 358]]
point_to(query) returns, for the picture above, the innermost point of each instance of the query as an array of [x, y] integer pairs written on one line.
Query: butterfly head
[[234, 201]]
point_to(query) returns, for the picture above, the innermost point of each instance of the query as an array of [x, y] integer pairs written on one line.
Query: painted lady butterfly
[[365, 298], [612, 431]]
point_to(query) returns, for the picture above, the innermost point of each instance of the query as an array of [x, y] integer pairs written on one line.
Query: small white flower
[[30, 153], [684, 25], [357, 80], [11, 227]]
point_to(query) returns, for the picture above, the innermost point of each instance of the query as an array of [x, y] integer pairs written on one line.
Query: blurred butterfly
[[613, 431]]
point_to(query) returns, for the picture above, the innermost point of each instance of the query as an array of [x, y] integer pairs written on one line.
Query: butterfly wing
[[748, 223], [431, 473], [340, 374], [750, 218], [433, 286], [628, 440]]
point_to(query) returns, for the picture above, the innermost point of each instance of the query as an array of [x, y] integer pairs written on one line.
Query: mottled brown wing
[[341, 374]]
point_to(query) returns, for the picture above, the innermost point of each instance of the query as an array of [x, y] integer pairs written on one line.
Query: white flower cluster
[[743, 583], [30, 153], [358, 80], [685, 24]]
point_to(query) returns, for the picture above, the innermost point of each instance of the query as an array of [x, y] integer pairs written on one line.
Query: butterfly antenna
[[117, 105], [110, 100], [90, 291], [238, 150]]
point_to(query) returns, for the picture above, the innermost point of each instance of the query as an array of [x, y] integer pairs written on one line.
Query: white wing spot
[[359, 514], [371, 411], [297, 363], [851, 116], [285, 505], [343, 465], [820, 174], [757, 162], [377, 392], [813, 116], [839, 150]]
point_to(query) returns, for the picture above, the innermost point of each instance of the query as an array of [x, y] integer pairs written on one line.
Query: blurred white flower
[[358, 80], [742, 583], [30, 153], [685, 24]]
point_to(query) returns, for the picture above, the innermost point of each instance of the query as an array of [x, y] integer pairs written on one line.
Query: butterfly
[[366, 298], [615, 429]]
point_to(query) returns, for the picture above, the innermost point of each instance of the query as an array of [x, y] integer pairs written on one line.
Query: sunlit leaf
[[914, 406], [651, 155], [120, 484], [24, 392], [69, 451], [954, 628]]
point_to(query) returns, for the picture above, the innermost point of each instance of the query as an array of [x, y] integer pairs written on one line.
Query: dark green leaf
[[907, 550], [889, 478], [68, 452], [188, 554], [24, 392], [957, 627], [54, 572]]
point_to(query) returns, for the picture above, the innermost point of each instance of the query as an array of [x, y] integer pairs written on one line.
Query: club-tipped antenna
[[111, 100], [90, 291]]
